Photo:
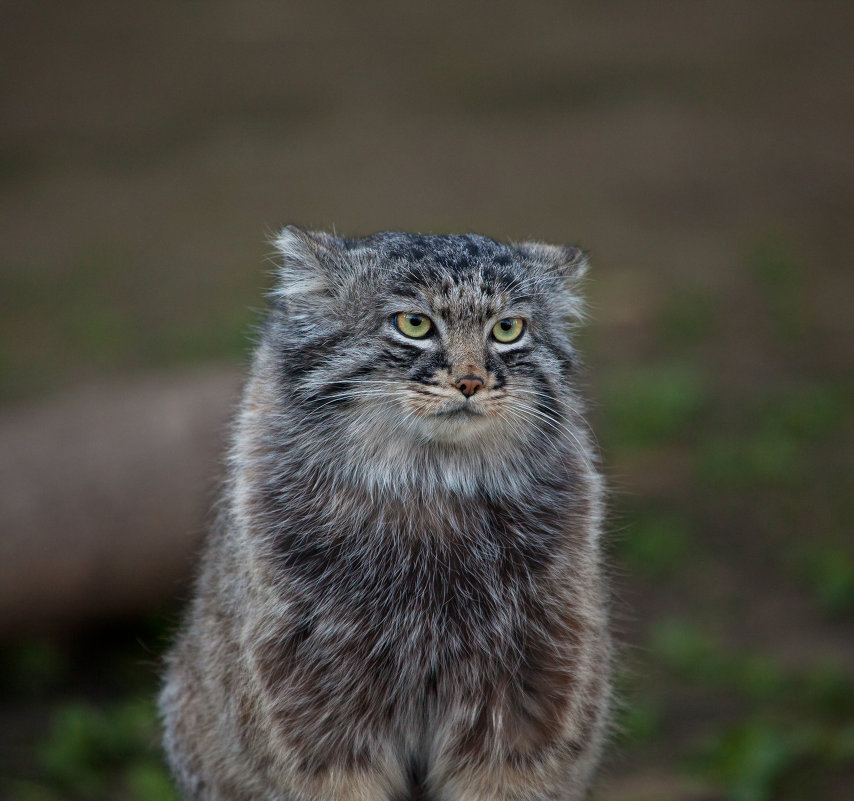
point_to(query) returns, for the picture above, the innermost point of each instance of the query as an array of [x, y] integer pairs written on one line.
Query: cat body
[[401, 598]]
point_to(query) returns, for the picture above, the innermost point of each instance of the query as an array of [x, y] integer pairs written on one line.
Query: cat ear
[[567, 261], [568, 264], [306, 258]]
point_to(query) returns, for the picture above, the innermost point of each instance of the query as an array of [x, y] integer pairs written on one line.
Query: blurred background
[[702, 153]]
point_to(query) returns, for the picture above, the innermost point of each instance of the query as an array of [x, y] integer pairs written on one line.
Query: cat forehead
[[449, 265], [449, 251], [444, 269]]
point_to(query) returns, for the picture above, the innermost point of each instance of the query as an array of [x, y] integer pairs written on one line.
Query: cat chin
[[459, 427]]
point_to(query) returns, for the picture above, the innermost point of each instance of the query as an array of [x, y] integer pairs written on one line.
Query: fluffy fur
[[402, 597]]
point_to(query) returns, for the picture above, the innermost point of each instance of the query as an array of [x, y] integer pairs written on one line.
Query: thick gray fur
[[402, 597]]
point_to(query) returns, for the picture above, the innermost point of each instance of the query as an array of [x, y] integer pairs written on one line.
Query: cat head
[[435, 339]]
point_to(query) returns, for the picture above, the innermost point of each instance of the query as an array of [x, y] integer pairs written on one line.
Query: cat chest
[[392, 642], [404, 606]]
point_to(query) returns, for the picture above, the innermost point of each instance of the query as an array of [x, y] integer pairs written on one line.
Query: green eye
[[415, 326], [508, 330]]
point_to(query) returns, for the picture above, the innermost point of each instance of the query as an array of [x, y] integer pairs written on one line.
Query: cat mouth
[[463, 411], [444, 406]]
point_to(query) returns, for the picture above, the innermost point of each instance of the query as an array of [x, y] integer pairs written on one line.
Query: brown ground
[[701, 152]]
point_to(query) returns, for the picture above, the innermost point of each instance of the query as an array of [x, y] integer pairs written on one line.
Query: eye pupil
[[508, 330]]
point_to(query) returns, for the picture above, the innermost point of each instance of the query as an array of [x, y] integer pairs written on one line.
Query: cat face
[[443, 339]]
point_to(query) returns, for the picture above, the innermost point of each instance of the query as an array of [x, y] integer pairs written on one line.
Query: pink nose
[[469, 384]]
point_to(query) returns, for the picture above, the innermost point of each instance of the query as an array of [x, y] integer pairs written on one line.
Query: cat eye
[[415, 326], [508, 330]]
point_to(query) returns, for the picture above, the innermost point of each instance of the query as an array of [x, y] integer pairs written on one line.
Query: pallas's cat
[[401, 597]]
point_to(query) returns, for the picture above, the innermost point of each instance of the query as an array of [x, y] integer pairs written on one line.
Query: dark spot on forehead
[[502, 279], [447, 261], [471, 248], [418, 274], [455, 262]]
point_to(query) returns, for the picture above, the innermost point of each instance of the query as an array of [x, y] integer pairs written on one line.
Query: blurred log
[[104, 495]]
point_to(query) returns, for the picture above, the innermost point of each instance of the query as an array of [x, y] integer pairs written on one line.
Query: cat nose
[[469, 384]]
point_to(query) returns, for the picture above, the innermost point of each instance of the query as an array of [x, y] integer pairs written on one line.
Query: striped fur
[[402, 598]]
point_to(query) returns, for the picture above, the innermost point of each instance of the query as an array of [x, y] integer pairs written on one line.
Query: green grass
[[690, 653], [97, 753], [778, 271], [638, 718], [809, 412], [687, 318], [86, 708], [758, 459], [32, 667], [772, 438], [92, 752], [763, 760], [656, 544], [644, 408], [793, 731], [828, 571]]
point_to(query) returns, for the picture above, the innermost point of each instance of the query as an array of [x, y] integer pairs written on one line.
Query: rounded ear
[[568, 264], [565, 260], [305, 261]]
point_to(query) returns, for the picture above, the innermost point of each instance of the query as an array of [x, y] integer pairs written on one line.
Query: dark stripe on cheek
[[390, 358], [333, 394], [495, 366], [400, 353], [546, 397], [427, 366], [297, 360], [513, 357], [564, 356]]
